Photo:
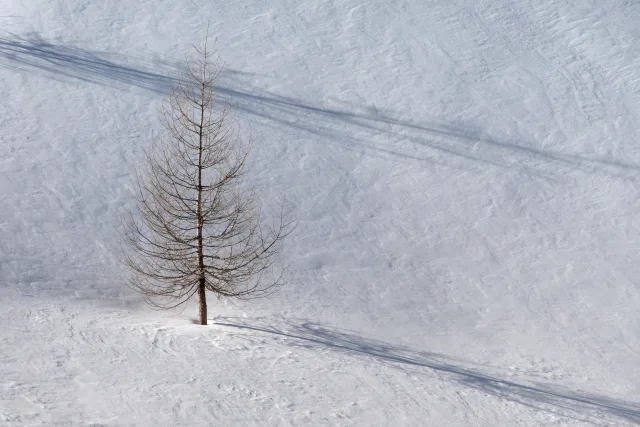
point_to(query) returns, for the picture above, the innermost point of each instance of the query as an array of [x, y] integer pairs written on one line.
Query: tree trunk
[[201, 289], [203, 302]]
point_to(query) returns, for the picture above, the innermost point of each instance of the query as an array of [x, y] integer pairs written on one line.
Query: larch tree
[[195, 227]]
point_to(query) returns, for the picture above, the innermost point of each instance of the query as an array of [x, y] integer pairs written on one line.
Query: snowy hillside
[[465, 174]]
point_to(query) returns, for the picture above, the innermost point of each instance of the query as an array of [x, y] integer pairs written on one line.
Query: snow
[[465, 174]]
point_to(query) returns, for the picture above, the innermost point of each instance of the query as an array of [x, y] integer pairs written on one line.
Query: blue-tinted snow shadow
[[388, 135], [366, 130], [580, 405], [31, 53]]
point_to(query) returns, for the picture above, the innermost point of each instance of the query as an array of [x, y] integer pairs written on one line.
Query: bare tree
[[195, 227]]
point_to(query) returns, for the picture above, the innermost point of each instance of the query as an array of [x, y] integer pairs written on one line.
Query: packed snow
[[465, 175]]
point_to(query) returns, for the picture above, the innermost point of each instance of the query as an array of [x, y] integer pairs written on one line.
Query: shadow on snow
[[369, 131], [578, 405]]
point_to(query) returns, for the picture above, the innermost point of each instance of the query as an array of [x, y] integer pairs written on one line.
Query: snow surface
[[466, 178]]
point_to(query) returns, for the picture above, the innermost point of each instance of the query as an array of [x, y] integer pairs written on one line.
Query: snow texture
[[465, 174]]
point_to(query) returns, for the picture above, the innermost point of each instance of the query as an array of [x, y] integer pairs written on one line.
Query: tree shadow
[[62, 62], [366, 130], [579, 405], [382, 134]]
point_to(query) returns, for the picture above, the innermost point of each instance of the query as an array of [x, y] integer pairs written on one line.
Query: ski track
[[465, 174]]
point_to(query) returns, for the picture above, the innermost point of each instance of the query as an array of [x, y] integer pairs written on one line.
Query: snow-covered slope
[[466, 178]]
